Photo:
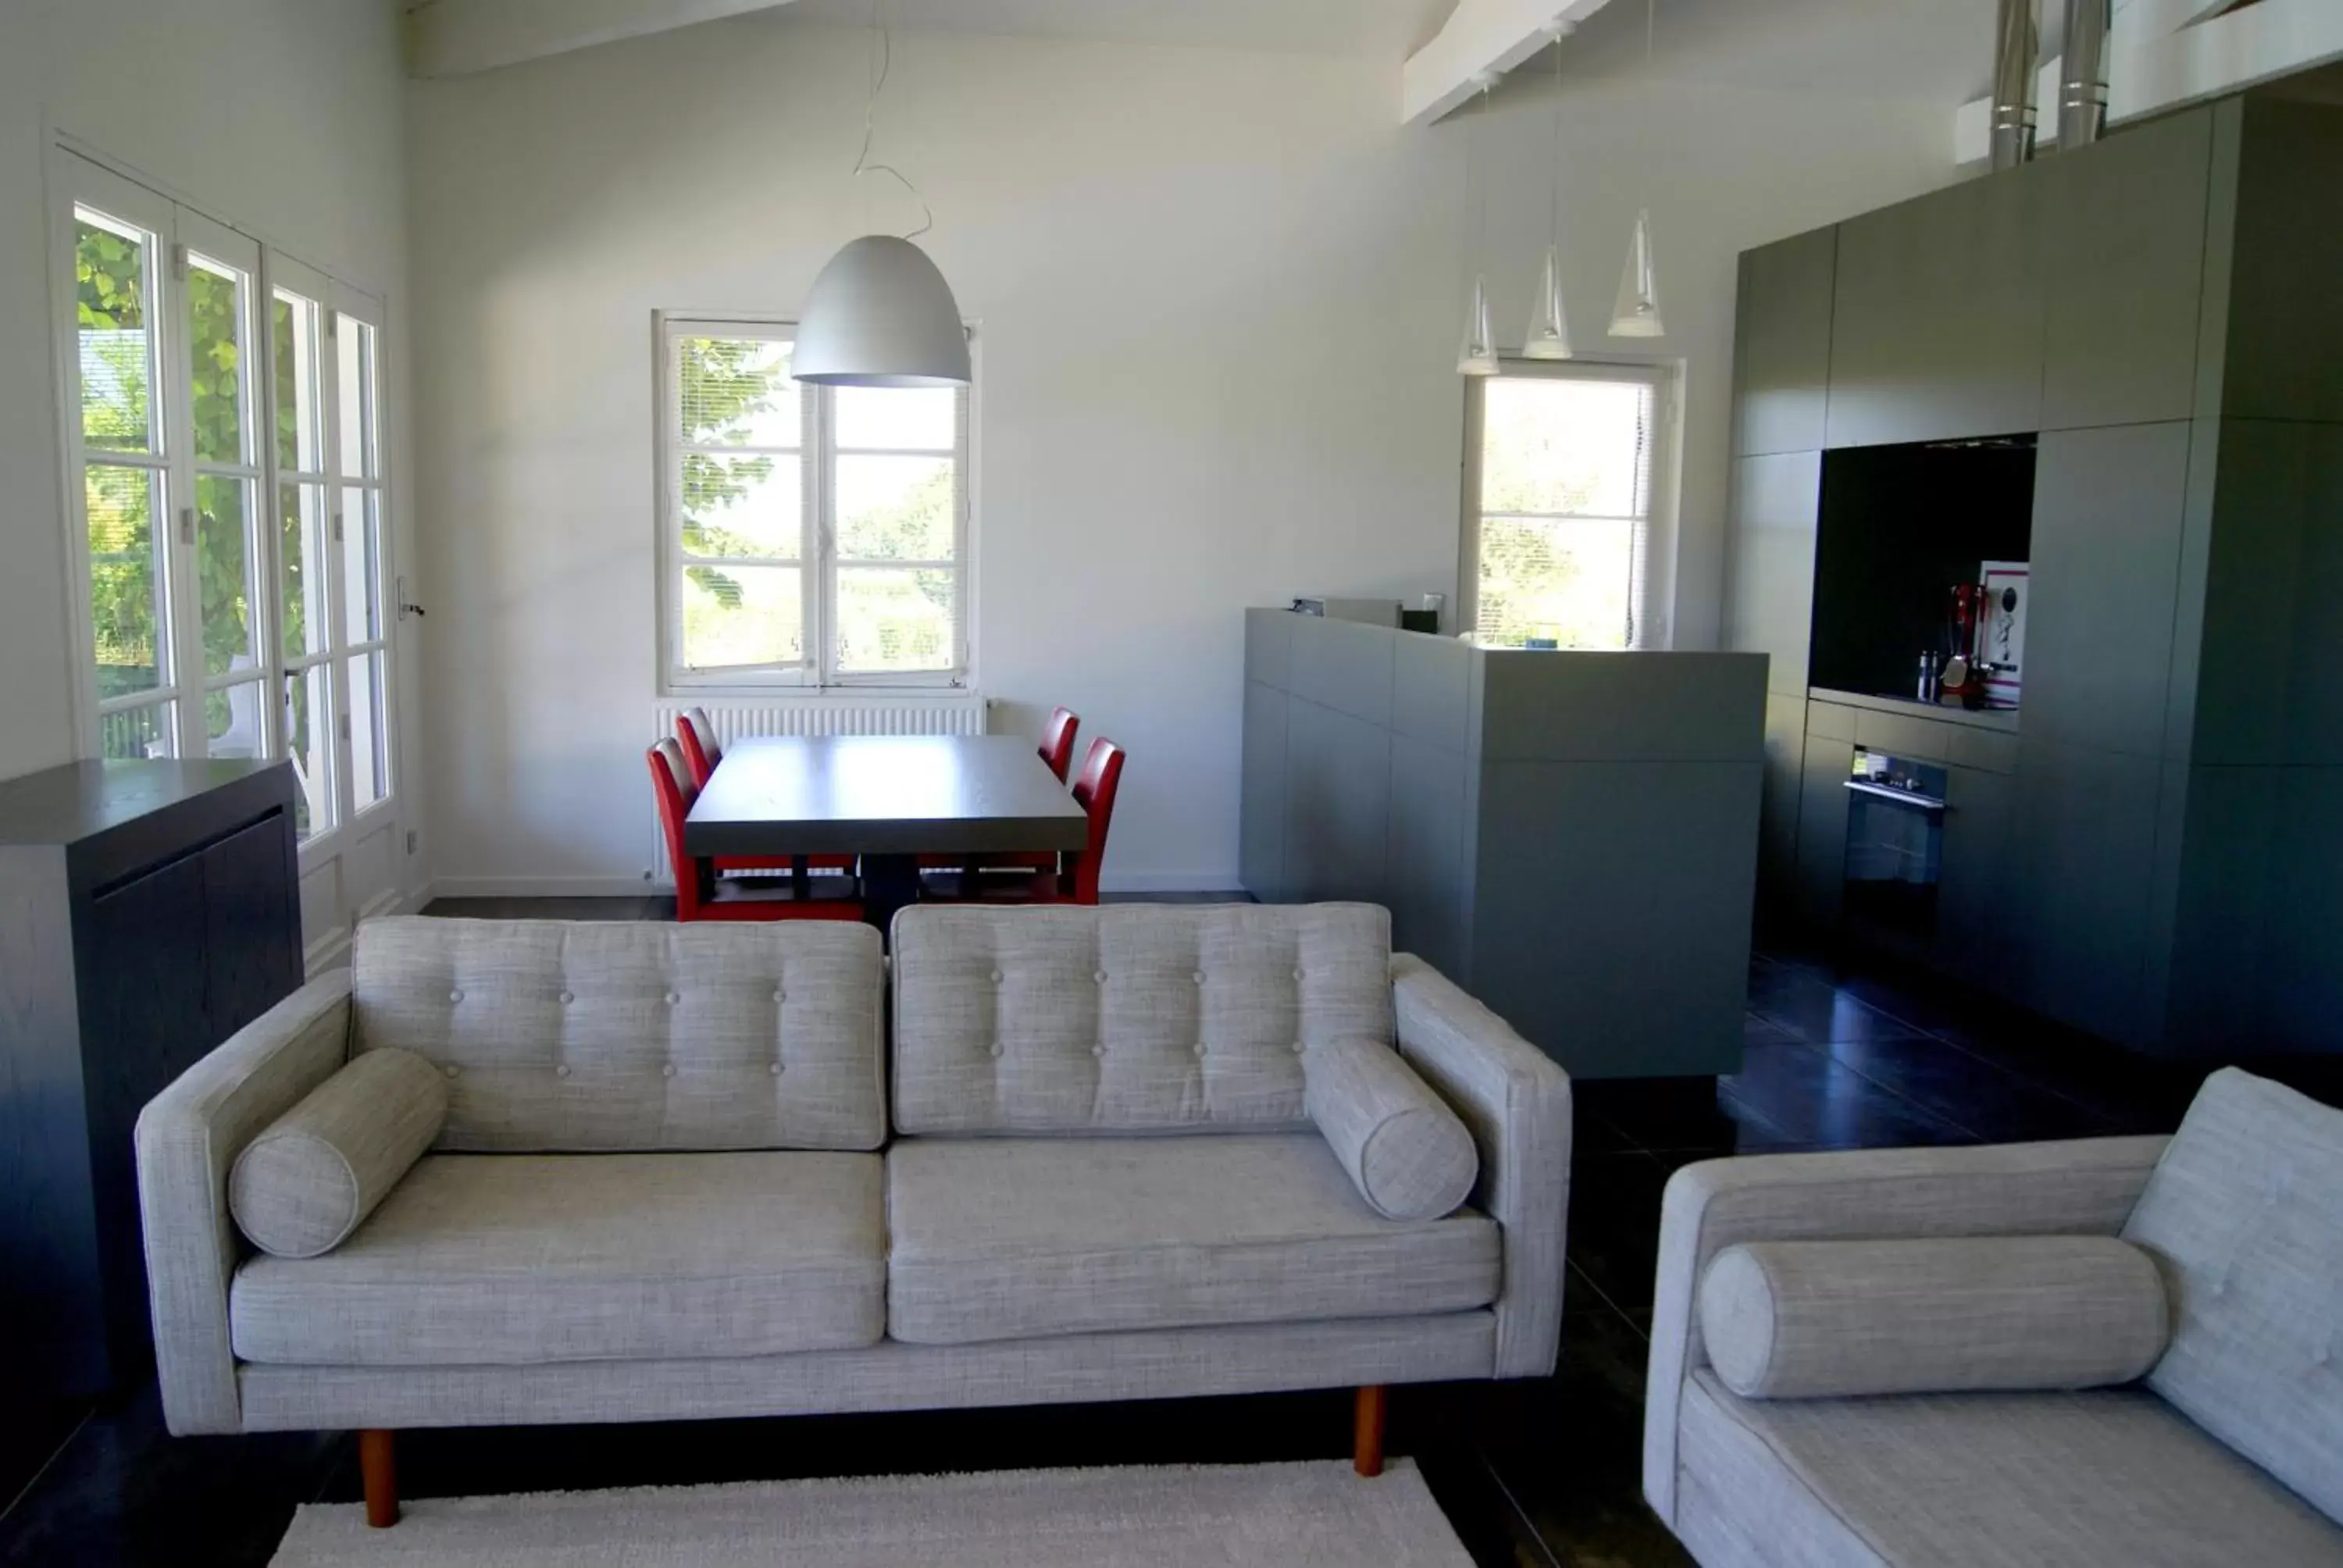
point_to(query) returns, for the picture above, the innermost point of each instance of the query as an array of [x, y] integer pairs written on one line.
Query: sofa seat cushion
[[514, 1259], [2112, 1476], [1019, 1239]]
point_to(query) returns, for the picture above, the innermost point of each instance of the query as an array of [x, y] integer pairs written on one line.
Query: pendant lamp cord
[[882, 60]]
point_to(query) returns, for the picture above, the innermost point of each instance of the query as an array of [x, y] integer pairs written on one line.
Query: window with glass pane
[[816, 533], [1563, 493], [363, 628], [309, 730], [126, 482]]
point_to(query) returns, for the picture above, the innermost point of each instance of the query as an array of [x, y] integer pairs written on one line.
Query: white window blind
[[1561, 467], [814, 535]]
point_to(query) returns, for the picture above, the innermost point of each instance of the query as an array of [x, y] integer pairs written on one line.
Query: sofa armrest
[[188, 1137], [2082, 1187], [1517, 1103]]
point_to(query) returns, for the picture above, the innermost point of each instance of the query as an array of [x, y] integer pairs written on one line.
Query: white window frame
[[1645, 625], [78, 178], [818, 560]]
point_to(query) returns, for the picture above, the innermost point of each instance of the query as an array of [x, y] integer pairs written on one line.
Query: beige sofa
[[682, 1174], [1983, 1420]]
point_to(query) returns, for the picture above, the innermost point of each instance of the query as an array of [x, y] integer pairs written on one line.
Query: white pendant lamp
[[1549, 334], [1478, 354], [1637, 312], [880, 314]]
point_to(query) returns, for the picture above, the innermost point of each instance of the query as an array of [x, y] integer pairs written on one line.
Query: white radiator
[[958, 713]]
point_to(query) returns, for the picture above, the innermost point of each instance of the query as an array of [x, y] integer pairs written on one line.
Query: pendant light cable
[[882, 61]]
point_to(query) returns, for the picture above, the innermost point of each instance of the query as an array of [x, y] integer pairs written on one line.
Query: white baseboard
[[1169, 882], [547, 888], [636, 888]]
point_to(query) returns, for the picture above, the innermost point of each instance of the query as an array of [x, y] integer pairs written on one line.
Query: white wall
[[1220, 296], [280, 116]]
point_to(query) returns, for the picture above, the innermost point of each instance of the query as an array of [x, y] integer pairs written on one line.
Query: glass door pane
[[131, 733], [361, 526], [227, 567], [301, 523], [129, 579], [114, 291], [308, 733], [235, 721], [370, 732]]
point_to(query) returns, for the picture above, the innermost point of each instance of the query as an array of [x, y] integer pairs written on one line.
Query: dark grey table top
[[882, 795]]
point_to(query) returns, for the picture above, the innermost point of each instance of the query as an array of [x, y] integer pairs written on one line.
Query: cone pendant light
[[881, 312], [1637, 312], [1549, 334], [1477, 355]]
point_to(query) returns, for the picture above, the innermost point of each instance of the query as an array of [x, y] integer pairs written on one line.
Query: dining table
[[889, 799]]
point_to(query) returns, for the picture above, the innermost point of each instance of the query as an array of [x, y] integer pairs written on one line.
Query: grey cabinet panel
[[1432, 679], [1426, 871], [2219, 944], [2303, 993], [2286, 313], [1984, 750], [2124, 235], [1338, 805], [2085, 842], [1344, 666], [1613, 947], [1904, 735], [1832, 720], [1973, 914], [1786, 756], [2270, 687], [1770, 592], [1938, 327], [1269, 647], [2107, 517], [1781, 351], [1685, 707], [1261, 806], [1822, 828]]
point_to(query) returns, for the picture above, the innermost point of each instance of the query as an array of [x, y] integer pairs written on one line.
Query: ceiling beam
[[456, 37], [1479, 39], [2150, 71]]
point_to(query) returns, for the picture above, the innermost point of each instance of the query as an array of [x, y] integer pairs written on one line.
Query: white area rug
[[1256, 1516]]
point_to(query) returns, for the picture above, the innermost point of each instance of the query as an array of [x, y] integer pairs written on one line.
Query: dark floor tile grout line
[[1605, 1297], [47, 1464], [1528, 1525]]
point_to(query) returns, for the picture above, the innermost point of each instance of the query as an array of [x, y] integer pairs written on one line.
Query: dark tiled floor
[[1534, 1474]]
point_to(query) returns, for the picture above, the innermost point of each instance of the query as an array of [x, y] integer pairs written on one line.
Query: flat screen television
[[1900, 526]]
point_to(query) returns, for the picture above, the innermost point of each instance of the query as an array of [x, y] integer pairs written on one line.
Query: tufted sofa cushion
[[2242, 1218], [555, 1036], [1130, 1017]]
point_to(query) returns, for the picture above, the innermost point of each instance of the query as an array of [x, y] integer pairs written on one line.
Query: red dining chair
[[695, 734], [1057, 754], [700, 894], [1094, 790], [1057, 745]]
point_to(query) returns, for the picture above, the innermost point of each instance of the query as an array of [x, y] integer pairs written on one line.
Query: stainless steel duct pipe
[[2083, 75], [2017, 51]]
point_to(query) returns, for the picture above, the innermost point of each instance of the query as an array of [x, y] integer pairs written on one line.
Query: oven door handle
[[1906, 797]]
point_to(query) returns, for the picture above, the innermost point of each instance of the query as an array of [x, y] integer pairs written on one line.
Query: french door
[[224, 430]]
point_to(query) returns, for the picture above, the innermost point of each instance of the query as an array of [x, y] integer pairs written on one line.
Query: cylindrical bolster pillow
[[1819, 1320], [316, 1172], [1406, 1151]]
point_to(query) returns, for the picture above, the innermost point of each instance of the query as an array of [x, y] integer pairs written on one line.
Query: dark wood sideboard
[[147, 911]]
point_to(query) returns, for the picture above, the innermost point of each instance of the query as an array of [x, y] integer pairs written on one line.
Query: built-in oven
[[1894, 844]]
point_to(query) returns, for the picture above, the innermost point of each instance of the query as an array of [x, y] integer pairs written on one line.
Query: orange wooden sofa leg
[[1367, 1431], [379, 1468]]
